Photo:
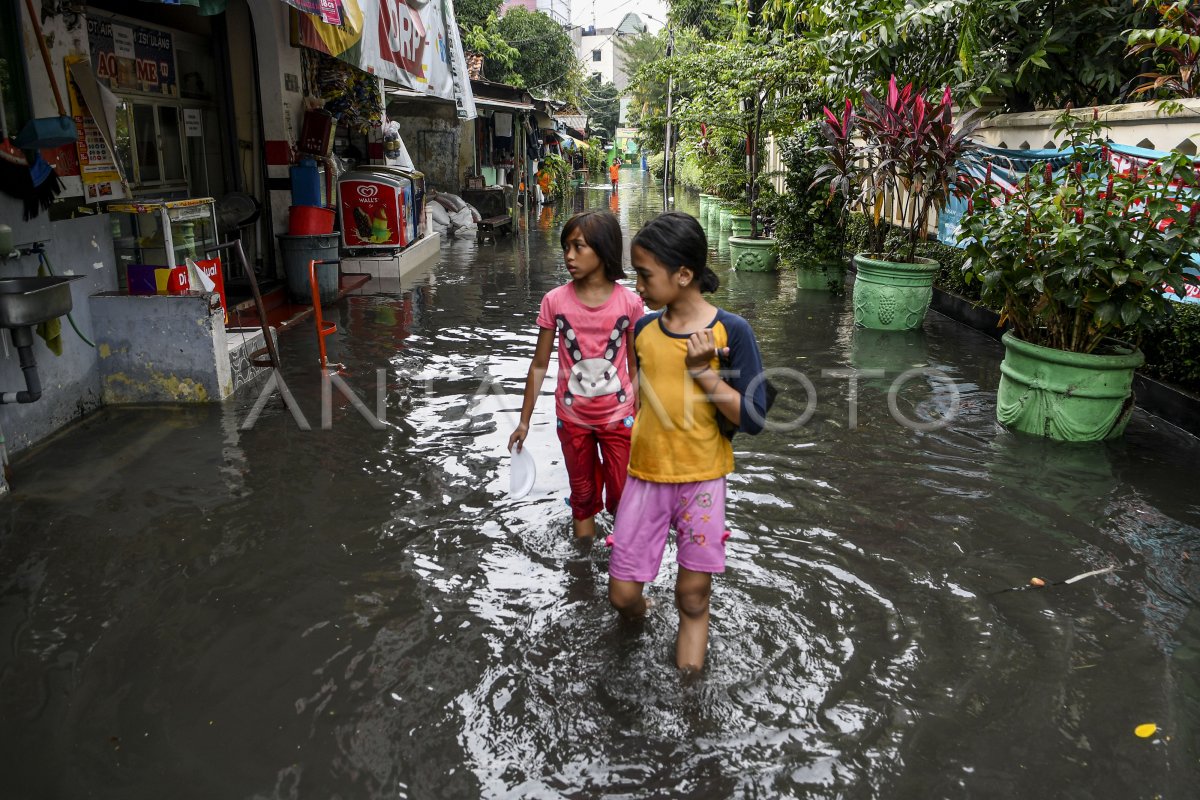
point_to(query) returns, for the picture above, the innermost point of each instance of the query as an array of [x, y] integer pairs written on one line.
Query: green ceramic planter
[[705, 202], [739, 224], [890, 295], [893, 352], [818, 277], [1070, 397], [752, 255], [726, 222]]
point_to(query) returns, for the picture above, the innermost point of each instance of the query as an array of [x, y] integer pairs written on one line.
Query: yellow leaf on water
[[1146, 731]]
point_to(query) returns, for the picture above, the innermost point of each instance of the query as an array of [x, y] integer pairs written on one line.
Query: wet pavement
[[192, 605]]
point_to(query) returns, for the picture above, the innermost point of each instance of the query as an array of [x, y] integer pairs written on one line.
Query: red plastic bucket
[[310, 220]]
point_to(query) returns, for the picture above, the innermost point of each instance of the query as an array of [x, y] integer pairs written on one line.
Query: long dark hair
[[676, 240], [602, 232]]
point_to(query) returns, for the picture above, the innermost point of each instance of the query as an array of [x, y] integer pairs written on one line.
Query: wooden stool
[[493, 227]]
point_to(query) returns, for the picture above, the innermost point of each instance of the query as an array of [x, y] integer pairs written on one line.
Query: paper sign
[[191, 122], [122, 41]]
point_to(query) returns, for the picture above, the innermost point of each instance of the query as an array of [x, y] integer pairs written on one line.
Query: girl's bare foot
[[584, 528]]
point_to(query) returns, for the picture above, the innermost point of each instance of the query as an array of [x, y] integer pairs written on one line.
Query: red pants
[[596, 460]]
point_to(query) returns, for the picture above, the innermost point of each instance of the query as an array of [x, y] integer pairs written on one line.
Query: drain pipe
[[22, 339]]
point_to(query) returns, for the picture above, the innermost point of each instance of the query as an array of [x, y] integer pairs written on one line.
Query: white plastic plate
[[522, 473]]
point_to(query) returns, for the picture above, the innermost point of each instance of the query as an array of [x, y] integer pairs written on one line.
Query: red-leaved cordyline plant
[[902, 150]]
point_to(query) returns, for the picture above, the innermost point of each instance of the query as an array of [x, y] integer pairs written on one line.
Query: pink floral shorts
[[647, 513]]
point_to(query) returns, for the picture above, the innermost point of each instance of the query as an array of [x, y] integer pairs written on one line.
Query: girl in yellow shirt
[[679, 453]]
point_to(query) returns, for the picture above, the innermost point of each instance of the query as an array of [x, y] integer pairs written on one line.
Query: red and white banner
[[411, 43]]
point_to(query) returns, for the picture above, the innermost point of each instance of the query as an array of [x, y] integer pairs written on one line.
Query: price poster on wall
[[132, 57], [97, 166]]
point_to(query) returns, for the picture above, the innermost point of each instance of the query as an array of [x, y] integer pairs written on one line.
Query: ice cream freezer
[[381, 208]]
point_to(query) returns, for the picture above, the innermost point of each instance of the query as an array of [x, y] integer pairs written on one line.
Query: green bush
[[1173, 351], [806, 223], [655, 164], [594, 162], [561, 171]]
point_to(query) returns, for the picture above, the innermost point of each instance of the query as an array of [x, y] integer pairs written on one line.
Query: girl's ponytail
[[708, 280]]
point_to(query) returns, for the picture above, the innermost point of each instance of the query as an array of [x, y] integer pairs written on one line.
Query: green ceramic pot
[[1070, 397], [715, 210], [892, 295], [726, 222], [739, 224], [752, 255], [820, 277], [705, 202]]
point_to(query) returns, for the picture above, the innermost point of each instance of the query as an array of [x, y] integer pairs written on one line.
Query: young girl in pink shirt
[[593, 317]]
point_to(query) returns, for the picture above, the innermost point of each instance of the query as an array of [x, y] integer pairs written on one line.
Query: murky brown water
[[189, 609]]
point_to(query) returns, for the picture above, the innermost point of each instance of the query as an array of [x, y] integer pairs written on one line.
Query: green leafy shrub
[[1081, 257], [655, 164], [1173, 351], [808, 224]]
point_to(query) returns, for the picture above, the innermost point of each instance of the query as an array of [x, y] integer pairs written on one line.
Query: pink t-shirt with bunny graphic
[[593, 362]]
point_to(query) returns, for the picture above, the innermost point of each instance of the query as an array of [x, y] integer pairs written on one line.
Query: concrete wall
[[160, 348], [438, 142], [1134, 124], [70, 382]]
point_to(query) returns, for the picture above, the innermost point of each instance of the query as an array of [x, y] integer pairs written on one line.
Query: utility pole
[[668, 149]]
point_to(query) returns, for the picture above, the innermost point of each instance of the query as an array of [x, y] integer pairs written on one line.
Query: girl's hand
[[701, 350], [518, 437]]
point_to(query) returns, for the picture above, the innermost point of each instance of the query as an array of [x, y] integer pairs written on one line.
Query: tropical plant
[[546, 57], [594, 160], [745, 89], [1083, 255], [560, 172], [810, 228], [1023, 54], [904, 151], [485, 39], [1175, 47]]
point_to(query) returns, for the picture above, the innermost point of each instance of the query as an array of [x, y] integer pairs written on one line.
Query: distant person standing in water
[[614, 172]]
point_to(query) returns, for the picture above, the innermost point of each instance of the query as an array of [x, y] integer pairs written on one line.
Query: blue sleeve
[[638, 326], [745, 372]]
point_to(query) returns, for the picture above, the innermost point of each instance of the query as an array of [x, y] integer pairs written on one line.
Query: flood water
[[195, 607]]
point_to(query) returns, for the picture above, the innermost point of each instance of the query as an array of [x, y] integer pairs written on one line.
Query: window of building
[[597, 55], [13, 88], [168, 135]]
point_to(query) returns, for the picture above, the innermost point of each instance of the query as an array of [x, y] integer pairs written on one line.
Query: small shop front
[[196, 123]]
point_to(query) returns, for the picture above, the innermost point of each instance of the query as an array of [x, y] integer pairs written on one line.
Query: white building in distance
[[557, 10], [598, 51]]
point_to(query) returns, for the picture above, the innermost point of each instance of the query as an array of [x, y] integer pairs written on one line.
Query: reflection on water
[[352, 612]]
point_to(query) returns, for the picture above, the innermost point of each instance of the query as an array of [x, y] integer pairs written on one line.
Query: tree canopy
[[545, 59], [1025, 53], [474, 13]]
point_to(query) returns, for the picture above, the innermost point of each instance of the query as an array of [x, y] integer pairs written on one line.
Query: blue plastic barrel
[[306, 184]]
